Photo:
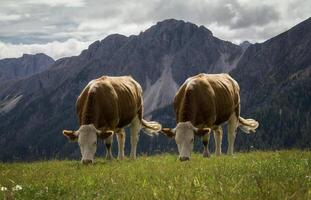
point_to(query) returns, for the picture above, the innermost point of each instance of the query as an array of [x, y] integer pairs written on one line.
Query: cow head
[[184, 134], [87, 139]]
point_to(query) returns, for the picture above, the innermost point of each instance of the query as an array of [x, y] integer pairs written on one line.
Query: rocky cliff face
[[245, 45], [36, 109], [25, 66], [176, 47], [275, 82]]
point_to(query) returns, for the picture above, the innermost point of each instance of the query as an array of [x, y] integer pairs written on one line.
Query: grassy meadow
[[255, 175]]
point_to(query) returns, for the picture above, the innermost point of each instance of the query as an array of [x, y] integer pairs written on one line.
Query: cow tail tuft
[[248, 125], [151, 127]]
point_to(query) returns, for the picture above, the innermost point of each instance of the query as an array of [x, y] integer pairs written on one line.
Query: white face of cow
[[87, 139], [184, 139], [184, 136]]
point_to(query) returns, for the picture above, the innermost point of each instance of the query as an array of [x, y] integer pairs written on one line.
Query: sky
[[61, 28]]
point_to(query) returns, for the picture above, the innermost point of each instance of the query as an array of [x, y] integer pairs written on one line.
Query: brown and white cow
[[204, 103], [106, 106]]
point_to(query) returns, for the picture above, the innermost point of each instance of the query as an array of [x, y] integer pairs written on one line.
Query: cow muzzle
[[87, 161], [184, 158]]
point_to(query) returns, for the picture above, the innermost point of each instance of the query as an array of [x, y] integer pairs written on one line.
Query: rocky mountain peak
[[245, 45], [169, 28], [105, 47], [27, 65]]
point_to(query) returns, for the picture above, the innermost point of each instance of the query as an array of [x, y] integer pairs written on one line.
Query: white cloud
[[53, 3], [106, 27], [54, 49], [41, 21], [4, 17]]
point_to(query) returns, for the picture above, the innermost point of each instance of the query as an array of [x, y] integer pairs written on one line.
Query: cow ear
[[104, 134], [168, 132], [71, 135], [201, 131]]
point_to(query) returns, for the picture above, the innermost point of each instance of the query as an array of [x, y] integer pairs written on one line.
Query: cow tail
[[151, 127], [248, 125]]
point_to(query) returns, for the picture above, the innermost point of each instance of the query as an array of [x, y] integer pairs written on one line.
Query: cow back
[[109, 102], [207, 100], [129, 98]]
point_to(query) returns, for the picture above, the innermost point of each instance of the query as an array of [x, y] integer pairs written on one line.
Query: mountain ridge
[[175, 47], [159, 58], [275, 82], [23, 67]]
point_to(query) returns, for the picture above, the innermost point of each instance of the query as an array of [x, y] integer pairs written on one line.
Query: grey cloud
[[88, 20], [33, 38], [38, 24], [222, 12], [66, 20], [254, 16]]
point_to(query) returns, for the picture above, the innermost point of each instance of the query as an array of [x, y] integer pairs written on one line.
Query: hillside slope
[[255, 175], [275, 81], [27, 65]]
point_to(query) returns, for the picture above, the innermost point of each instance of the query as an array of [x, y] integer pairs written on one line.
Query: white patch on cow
[[218, 140], [162, 92], [93, 86], [121, 143], [8, 103], [87, 139], [232, 126], [135, 127], [91, 83], [108, 141], [184, 138]]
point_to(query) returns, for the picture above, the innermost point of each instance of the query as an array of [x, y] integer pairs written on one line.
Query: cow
[[204, 103], [106, 106]]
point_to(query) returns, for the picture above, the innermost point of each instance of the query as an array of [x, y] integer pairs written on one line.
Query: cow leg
[[135, 127], [121, 143], [205, 140], [218, 140], [108, 144], [232, 126]]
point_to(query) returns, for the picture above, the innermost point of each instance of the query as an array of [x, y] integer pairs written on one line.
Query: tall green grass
[[256, 175]]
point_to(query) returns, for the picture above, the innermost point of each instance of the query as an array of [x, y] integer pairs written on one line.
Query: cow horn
[[202, 131], [71, 135], [168, 132]]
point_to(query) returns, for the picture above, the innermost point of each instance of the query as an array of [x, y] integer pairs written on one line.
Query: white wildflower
[[4, 189], [17, 187]]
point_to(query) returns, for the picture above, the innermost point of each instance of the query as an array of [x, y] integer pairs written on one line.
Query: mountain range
[[275, 81], [23, 67], [274, 77]]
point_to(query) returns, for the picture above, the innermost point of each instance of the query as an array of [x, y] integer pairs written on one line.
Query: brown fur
[[207, 100], [110, 103]]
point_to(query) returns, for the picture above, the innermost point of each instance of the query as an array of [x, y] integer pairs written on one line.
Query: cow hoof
[[206, 154], [121, 157]]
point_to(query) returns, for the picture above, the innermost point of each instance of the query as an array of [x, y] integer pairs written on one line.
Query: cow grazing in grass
[[106, 106], [204, 103]]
